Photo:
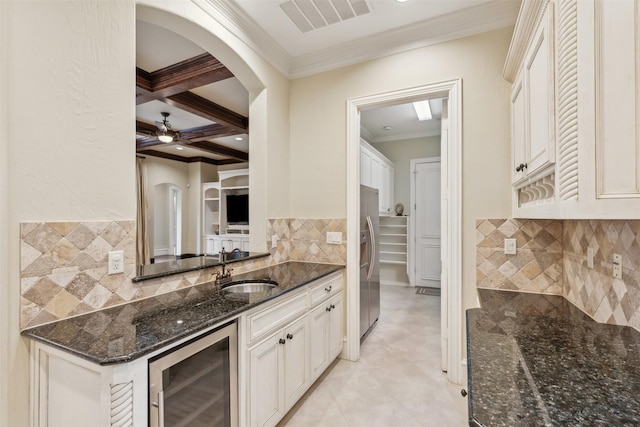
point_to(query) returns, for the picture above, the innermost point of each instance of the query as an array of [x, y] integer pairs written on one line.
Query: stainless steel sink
[[249, 286]]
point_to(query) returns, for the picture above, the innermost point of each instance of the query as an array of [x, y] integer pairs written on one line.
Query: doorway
[[451, 305], [167, 222]]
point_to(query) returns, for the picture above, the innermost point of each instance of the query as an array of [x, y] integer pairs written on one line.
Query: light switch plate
[[274, 241], [334, 237], [116, 262], [589, 257], [510, 246]]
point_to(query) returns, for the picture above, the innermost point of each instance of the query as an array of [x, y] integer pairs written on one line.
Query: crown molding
[[405, 137], [478, 19], [238, 23], [528, 21]]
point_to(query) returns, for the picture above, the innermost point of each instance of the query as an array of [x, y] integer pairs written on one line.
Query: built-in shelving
[[394, 247]]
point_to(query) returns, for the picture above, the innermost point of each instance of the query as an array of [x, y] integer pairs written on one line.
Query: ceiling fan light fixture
[[423, 110], [164, 132], [166, 136]]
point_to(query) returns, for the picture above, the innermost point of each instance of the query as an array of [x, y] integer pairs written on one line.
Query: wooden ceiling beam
[[196, 159], [203, 133], [181, 77], [209, 110], [221, 150]]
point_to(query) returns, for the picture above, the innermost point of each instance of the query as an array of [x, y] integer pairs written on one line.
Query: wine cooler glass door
[[196, 385]]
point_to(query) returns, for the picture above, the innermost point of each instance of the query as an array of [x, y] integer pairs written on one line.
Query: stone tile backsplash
[[64, 264], [594, 291], [537, 265]]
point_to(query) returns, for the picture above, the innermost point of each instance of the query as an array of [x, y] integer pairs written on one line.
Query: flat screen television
[[238, 209]]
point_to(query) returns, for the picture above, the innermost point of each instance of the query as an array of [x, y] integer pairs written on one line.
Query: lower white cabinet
[[326, 334], [286, 356], [213, 244], [278, 373]]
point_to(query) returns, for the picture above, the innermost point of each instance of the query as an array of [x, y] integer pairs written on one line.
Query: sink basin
[[234, 255], [249, 286]]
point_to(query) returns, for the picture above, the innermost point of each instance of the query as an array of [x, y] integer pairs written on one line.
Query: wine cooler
[[196, 384]]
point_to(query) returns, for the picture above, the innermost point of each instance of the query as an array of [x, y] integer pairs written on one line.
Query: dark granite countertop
[[537, 360], [126, 332], [168, 268]]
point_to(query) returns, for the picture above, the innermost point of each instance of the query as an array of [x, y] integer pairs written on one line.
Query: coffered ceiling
[[209, 107]]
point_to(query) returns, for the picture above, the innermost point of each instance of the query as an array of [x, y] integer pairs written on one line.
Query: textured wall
[[64, 264], [537, 265]]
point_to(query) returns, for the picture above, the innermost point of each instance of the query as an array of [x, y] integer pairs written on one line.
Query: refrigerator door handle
[[372, 259]]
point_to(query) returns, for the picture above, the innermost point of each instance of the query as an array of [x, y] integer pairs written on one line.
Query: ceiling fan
[[164, 132]]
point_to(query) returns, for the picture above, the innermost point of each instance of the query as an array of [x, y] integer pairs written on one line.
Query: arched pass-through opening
[[451, 157]]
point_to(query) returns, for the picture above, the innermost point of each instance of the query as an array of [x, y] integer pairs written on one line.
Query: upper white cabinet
[[377, 171], [575, 109]]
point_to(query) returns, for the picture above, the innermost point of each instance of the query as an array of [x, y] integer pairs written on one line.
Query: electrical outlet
[[334, 237], [589, 257], [510, 246], [116, 262], [617, 266], [274, 241]]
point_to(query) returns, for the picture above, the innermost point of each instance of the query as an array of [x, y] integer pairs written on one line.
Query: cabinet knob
[[521, 167], [281, 341], [328, 309], [289, 336], [463, 392], [332, 306], [328, 289]]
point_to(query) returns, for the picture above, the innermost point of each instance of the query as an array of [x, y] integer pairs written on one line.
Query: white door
[[427, 262]]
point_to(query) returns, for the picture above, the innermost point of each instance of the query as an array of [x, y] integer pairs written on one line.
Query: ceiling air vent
[[309, 15]]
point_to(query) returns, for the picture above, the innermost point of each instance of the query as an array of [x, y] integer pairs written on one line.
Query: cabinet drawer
[[276, 316], [326, 289]]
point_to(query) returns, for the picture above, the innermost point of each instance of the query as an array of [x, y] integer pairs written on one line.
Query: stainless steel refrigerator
[[369, 259]]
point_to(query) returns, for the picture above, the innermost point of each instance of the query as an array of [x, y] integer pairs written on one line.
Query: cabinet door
[[365, 167], [518, 131], [266, 372], [319, 331], [336, 333], [245, 244], [296, 358], [539, 75]]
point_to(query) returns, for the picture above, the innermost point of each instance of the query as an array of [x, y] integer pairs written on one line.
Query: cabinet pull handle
[[328, 308], [521, 167], [328, 289], [281, 341], [333, 306], [290, 336]]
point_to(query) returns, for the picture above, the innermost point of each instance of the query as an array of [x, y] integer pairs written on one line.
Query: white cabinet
[[532, 108], [279, 375], [575, 104], [377, 171], [218, 231], [289, 344]]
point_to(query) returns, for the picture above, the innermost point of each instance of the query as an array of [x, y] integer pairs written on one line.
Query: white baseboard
[[394, 283]]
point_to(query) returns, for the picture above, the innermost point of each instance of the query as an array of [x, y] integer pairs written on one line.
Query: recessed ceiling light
[[179, 148], [239, 138], [387, 127], [423, 110], [402, 1]]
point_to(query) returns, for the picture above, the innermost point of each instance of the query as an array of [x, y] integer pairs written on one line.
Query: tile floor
[[396, 382]]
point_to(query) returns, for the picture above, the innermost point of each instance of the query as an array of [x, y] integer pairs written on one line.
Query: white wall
[[67, 116], [400, 153], [318, 129], [67, 92]]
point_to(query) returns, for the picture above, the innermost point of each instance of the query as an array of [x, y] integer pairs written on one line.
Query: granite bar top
[[126, 332], [168, 268], [537, 360]]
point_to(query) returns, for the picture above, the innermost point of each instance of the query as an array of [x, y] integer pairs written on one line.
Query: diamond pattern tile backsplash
[[537, 265], [595, 291], [64, 264], [552, 258]]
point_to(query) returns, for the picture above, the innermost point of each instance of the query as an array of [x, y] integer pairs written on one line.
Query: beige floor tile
[[396, 382]]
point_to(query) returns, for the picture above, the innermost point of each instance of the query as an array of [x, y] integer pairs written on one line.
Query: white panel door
[[427, 219]]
